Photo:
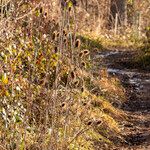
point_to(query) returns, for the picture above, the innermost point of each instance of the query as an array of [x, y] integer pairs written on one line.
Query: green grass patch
[[90, 43]]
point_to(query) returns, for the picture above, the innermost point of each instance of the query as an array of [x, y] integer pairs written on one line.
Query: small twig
[[78, 134], [30, 12]]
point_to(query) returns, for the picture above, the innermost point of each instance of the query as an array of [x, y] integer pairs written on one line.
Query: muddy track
[[136, 81]]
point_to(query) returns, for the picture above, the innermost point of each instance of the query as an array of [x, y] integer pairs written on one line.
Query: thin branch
[[30, 12], [78, 134]]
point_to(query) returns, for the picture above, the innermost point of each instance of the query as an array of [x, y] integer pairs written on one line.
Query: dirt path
[[137, 84]]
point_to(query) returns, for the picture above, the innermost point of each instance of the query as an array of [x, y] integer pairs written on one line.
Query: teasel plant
[[49, 67], [68, 48]]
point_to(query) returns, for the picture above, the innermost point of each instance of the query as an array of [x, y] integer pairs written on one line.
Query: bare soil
[[136, 81]]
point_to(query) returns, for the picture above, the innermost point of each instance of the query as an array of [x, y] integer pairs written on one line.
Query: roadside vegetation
[[49, 97], [52, 93]]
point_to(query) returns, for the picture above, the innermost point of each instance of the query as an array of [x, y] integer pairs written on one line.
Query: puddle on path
[[139, 81]]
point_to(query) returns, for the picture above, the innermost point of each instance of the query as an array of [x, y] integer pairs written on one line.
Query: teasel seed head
[[64, 32], [75, 69], [45, 14], [41, 10], [98, 122], [82, 89], [76, 83], [86, 52], [58, 34], [54, 35], [63, 104], [65, 40], [81, 54], [77, 43], [83, 64], [56, 49], [84, 103], [89, 123], [73, 75]]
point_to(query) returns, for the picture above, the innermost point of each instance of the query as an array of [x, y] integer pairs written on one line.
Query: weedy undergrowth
[[44, 100]]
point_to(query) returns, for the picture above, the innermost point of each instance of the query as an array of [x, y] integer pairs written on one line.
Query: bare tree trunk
[[117, 6]]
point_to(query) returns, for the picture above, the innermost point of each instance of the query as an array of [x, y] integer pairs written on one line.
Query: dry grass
[[46, 100]]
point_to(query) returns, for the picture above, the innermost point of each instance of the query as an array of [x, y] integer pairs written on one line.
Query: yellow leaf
[[4, 78], [7, 93]]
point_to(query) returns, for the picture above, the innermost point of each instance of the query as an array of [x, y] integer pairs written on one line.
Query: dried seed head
[[65, 40], [65, 34], [41, 10], [56, 49], [75, 69], [84, 103], [82, 89], [45, 14], [54, 35], [63, 105], [77, 43], [81, 54], [72, 74], [98, 122], [76, 83], [83, 64], [64, 31], [86, 52], [89, 123], [58, 34]]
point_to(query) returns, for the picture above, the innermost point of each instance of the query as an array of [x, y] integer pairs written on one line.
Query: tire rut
[[136, 81]]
